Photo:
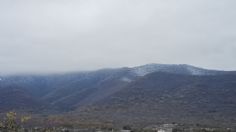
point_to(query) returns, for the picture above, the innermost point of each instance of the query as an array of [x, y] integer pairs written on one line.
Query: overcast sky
[[74, 35]]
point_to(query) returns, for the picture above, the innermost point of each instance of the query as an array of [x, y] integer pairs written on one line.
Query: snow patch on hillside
[[125, 79], [149, 68], [146, 69], [195, 71]]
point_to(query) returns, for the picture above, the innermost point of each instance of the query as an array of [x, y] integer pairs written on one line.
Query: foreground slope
[[165, 97]]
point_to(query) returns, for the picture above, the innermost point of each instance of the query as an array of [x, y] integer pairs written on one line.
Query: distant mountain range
[[143, 94]]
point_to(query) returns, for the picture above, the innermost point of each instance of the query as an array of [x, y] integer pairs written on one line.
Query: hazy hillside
[[164, 97], [144, 94]]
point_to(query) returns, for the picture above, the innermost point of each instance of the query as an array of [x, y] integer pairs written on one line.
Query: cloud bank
[[71, 35]]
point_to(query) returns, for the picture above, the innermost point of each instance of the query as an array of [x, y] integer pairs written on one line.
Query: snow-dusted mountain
[[68, 91], [179, 90]]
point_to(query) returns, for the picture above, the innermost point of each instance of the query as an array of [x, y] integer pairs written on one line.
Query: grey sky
[[73, 35]]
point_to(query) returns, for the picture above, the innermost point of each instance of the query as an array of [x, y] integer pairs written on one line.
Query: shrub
[[10, 123]]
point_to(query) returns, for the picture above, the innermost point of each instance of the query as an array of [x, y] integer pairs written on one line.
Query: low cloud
[[61, 35]]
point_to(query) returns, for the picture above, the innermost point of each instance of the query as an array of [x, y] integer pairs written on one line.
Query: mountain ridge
[[105, 69]]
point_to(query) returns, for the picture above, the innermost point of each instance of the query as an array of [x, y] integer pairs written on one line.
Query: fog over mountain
[[118, 65], [43, 36]]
